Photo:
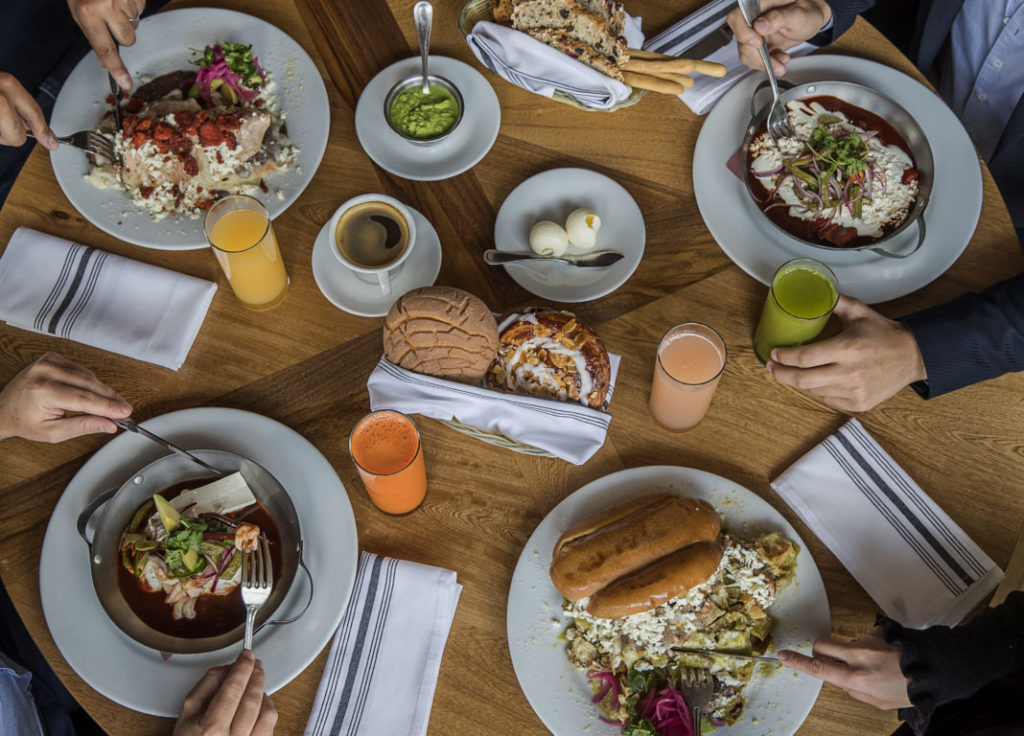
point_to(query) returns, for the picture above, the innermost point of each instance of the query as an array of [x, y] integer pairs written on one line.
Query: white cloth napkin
[[53, 286], [567, 430], [675, 40], [910, 557], [533, 65], [382, 670]]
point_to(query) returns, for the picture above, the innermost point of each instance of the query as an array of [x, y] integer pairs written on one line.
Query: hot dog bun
[[625, 538], [656, 583]]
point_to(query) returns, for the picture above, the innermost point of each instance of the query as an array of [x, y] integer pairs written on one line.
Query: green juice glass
[[802, 295]]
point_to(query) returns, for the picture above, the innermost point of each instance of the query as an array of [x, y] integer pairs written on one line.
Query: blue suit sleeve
[[844, 13], [972, 338]]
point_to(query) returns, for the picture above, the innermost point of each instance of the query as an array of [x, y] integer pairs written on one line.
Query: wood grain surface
[[305, 364]]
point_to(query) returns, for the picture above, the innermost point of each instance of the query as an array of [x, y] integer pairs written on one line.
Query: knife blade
[[597, 259], [715, 40], [773, 660]]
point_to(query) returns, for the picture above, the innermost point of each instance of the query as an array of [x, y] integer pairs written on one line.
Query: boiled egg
[[548, 238], [581, 226]]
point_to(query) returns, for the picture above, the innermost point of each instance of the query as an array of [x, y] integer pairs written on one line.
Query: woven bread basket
[[495, 439]]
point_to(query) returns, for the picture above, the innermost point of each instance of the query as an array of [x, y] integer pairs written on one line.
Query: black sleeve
[[972, 338], [946, 664], [844, 13]]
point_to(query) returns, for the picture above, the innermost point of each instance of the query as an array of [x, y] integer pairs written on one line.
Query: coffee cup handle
[[384, 279]]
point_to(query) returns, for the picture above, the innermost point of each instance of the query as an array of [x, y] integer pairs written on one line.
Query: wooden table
[[305, 364]]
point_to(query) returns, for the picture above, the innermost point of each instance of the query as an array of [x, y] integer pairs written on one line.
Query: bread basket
[[475, 11], [494, 438]]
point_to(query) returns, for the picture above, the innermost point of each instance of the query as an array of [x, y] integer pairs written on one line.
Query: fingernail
[[784, 655], [769, 366], [50, 140], [109, 428], [762, 26], [126, 408], [125, 83], [259, 664], [247, 654], [775, 355]]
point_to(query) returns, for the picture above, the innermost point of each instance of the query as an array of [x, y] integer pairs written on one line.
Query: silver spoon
[[423, 14], [597, 259], [778, 119], [133, 427]]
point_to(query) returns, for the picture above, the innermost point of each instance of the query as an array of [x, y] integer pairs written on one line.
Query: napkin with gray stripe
[[382, 670], [685, 38], [55, 287], [906, 552]]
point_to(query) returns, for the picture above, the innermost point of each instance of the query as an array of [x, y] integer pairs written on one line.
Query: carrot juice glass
[[691, 358], [240, 234], [385, 446]]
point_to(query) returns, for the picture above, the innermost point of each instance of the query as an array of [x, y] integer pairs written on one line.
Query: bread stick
[[655, 84], [646, 66], [648, 59]]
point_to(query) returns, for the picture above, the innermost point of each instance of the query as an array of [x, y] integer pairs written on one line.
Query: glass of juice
[[240, 234], [801, 297], [691, 358], [385, 446]]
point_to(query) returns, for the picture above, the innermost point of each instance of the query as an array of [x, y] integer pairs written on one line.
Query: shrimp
[[246, 537]]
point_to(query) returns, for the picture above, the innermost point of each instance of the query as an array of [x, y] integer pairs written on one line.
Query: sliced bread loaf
[[570, 17], [610, 11], [561, 40]]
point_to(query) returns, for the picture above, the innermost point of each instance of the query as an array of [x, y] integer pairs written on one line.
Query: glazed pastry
[[548, 353]]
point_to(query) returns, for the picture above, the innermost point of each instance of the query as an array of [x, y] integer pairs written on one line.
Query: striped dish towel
[[910, 557], [53, 286], [679, 38], [567, 430], [382, 670]]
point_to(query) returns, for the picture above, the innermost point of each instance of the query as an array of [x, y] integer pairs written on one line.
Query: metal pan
[[872, 101], [121, 504]]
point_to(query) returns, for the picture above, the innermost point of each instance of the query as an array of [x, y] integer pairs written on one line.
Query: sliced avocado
[[193, 92], [170, 517], [190, 559], [227, 92]]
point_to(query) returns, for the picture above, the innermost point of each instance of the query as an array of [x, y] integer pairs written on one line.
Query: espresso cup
[[373, 235]]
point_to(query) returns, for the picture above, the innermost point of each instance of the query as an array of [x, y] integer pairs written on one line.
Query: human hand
[[784, 24], [867, 668], [229, 701], [35, 403], [20, 112], [865, 364], [107, 23]]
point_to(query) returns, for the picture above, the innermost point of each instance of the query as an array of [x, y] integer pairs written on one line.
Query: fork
[[778, 119], [90, 141], [257, 582], [697, 687]]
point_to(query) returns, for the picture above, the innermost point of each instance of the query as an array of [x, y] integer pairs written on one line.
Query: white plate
[[346, 290], [460, 151], [163, 46], [759, 248], [779, 699], [138, 677], [552, 195]]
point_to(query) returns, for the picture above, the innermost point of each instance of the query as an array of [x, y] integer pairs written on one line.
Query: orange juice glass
[[385, 446], [691, 358], [240, 234]]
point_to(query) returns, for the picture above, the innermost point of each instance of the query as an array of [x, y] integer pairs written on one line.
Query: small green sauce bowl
[[414, 85]]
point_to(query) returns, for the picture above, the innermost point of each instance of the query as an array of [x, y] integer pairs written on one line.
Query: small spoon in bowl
[[423, 14]]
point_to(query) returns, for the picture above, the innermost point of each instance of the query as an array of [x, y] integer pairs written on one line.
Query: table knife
[[774, 660], [715, 40], [597, 259]]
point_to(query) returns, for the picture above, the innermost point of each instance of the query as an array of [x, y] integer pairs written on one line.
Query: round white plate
[[138, 677], [759, 248], [460, 151], [162, 45], [552, 195], [779, 700], [344, 288]]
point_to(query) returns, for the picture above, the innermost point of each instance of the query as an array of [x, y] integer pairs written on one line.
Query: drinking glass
[[385, 446], [690, 360], [800, 300], [242, 238]]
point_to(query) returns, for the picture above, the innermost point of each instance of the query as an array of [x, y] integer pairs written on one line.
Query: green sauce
[[419, 115]]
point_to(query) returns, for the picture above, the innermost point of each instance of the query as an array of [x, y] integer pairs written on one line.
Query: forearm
[[946, 664]]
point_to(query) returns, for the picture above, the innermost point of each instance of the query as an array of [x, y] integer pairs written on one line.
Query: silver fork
[[778, 119], [697, 689], [257, 582], [89, 141]]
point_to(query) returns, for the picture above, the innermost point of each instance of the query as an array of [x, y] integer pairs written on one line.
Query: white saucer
[[463, 147], [349, 293], [552, 195]]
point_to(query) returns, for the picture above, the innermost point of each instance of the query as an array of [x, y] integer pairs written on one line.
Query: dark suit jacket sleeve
[[946, 664], [972, 338], [844, 13]]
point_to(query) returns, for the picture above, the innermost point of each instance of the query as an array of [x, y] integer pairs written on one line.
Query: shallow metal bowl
[[120, 506], [877, 103], [417, 81]]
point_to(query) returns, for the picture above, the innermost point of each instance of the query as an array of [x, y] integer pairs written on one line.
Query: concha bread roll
[[625, 538], [654, 584], [441, 331], [548, 353]]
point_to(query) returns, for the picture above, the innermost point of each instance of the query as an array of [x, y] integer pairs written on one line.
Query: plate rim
[[642, 477]]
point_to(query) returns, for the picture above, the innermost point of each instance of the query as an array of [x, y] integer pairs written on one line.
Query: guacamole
[[424, 116]]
